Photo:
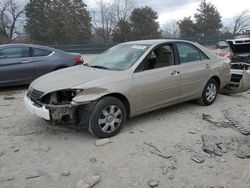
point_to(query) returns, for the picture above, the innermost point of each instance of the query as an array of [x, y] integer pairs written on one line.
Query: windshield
[[120, 57]]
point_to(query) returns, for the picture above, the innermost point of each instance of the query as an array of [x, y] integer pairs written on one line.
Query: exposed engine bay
[[60, 103]]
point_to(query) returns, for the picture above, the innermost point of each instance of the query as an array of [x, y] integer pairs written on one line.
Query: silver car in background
[[22, 63]]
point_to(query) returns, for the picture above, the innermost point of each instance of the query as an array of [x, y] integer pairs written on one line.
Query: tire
[[209, 93], [107, 117]]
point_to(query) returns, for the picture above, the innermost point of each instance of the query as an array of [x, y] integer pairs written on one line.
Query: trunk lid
[[240, 46]]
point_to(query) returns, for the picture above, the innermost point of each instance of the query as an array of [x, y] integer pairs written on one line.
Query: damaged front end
[[60, 104]]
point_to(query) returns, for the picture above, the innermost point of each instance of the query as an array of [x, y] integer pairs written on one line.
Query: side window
[[159, 57], [40, 52], [189, 53], [14, 52]]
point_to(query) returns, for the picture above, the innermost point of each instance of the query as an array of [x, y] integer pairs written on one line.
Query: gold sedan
[[127, 80]]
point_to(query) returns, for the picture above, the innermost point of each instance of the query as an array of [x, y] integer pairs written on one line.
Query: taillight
[[79, 60]]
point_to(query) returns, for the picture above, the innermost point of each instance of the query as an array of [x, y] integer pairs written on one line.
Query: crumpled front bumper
[[36, 109]]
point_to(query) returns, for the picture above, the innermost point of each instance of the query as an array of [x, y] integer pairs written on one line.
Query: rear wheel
[[107, 117], [210, 92]]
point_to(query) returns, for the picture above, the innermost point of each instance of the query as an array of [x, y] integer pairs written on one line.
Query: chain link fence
[[209, 41]]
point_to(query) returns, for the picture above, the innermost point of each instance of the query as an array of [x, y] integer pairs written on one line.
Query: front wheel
[[107, 117], [209, 93]]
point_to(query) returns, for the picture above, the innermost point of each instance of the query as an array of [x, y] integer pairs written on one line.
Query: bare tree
[[10, 12], [104, 20], [108, 14], [241, 22], [123, 9], [171, 29]]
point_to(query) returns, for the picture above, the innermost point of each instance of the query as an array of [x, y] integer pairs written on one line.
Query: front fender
[[91, 94]]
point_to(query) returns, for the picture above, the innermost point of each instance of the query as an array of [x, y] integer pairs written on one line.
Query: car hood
[[69, 78]]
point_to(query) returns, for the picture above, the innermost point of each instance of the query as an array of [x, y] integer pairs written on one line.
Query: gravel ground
[[35, 154]]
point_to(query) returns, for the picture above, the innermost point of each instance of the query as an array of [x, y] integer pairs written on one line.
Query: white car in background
[[240, 66]]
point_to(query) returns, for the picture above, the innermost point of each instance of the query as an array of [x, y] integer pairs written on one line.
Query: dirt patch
[[159, 149]]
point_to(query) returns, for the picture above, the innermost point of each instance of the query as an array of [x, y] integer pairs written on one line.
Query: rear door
[[43, 61], [194, 67], [16, 65]]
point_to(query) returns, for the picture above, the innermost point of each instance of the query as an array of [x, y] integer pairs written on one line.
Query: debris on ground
[[244, 128], [102, 142], [171, 177], [66, 173], [153, 183], [135, 182], [93, 160], [37, 174], [198, 158], [192, 132], [5, 179], [218, 145], [33, 176], [1, 154], [182, 147], [229, 121], [16, 150], [88, 182], [210, 145], [243, 151], [223, 160], [9, 98], [157, 152], [210, 120], [210, 166], [169, 171]]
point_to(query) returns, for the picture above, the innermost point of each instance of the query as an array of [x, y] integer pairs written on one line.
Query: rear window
[[41, 52], [189, 53]]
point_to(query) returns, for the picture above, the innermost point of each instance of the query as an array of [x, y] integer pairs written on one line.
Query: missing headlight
[[61, 97]]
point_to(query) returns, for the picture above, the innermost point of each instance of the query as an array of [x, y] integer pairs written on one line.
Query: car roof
[[28, 45], [156, 42]]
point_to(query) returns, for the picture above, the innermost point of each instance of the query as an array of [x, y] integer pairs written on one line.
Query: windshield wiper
[[99, 67]]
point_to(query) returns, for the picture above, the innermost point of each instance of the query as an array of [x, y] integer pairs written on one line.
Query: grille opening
[[35, 94]]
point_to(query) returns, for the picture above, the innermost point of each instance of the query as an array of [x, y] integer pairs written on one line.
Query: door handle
[[175, 73], [26, 61]]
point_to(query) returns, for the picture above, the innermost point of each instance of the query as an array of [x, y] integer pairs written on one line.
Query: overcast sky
[[177, 9]]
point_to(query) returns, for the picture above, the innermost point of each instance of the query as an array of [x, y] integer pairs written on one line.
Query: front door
[[156, 81]]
